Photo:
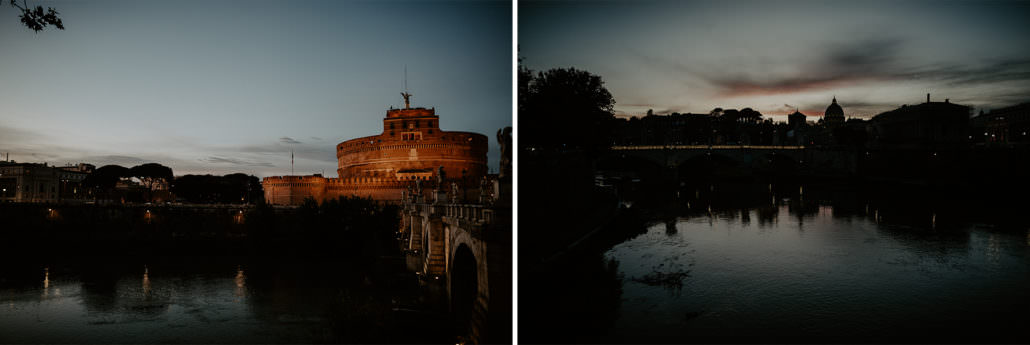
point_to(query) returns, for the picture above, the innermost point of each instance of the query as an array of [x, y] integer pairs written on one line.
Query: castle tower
[[412, 147], [796, 120]]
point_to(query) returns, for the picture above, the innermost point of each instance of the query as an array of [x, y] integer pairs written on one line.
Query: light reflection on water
[[115, 306], [146, 282], [241, 288], [720, 274]]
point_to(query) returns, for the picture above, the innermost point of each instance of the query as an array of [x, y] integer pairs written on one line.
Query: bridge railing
[[707, 147], [470, 212]]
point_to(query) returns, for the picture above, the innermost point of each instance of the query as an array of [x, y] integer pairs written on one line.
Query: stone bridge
[[747, 157], [461, 251]]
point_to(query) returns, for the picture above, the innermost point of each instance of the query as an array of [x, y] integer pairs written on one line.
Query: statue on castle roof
[[407, 103]]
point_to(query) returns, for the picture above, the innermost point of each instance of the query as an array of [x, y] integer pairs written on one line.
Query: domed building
[[834, 115]]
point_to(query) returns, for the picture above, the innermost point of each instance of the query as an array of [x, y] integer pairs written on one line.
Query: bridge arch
[[643, 165], [705, 165], [780, 164], [464, 286]]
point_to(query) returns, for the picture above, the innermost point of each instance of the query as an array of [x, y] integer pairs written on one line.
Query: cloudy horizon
[[778, 56]]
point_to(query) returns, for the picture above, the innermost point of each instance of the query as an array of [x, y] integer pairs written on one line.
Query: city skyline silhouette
[[779, 56]]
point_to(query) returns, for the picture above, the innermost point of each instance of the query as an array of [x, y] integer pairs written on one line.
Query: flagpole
[[291, 163]]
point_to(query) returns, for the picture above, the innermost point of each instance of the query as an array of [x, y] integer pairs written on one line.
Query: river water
[[197, 300], [790, 270]]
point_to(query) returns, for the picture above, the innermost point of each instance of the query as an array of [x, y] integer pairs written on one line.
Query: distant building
[[925, 126], [28, 182], [834, 115], [1005, 126], [796, 120], [798, 128], [673, 129], [71, 178]]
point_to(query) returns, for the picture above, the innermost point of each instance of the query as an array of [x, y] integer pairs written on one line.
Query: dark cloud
[[840, 65], [234, 161], [322, 153], [115, 159], [870, 56], [638, 105], [784, 110], [669, 111], [996, 71], [288, 140], [866, 61], [9, 135]]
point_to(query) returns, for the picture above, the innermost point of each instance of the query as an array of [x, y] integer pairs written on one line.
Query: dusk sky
[[232, 86], [775, 56]]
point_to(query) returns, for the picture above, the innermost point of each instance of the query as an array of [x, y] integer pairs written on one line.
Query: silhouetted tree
[[525, 76], [103, 180], [150, 174], [247, 187], [232, 188], [566, 108], [36, 18], [748, 115], [105, 177]]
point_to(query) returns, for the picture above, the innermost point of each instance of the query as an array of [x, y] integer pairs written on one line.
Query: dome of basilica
[[834, 110]]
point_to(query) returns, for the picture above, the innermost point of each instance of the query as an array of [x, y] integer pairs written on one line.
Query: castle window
[[430, 123], [430, 131], [391, 125]]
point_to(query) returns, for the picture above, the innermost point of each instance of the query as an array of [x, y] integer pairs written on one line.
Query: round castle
[[412, 147]]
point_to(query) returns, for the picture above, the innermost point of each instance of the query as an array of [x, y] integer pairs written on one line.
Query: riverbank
[[351, 227]]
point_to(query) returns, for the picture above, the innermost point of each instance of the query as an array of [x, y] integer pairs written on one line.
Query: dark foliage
[[151, 173], [36, 18], [344, 227], [564, 109], [232, 188], [105, 177]]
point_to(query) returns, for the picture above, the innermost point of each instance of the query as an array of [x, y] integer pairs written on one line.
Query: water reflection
[[241, 289], [146, 282], [830, 263], [46, 282], [108, 301]]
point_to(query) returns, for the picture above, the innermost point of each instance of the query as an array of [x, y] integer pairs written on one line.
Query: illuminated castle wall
[[412, 147]]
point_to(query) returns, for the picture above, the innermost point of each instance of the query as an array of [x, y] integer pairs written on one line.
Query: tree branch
[[35, 18]]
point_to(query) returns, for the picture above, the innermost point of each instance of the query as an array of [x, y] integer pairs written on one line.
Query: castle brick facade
[[411, 148]]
